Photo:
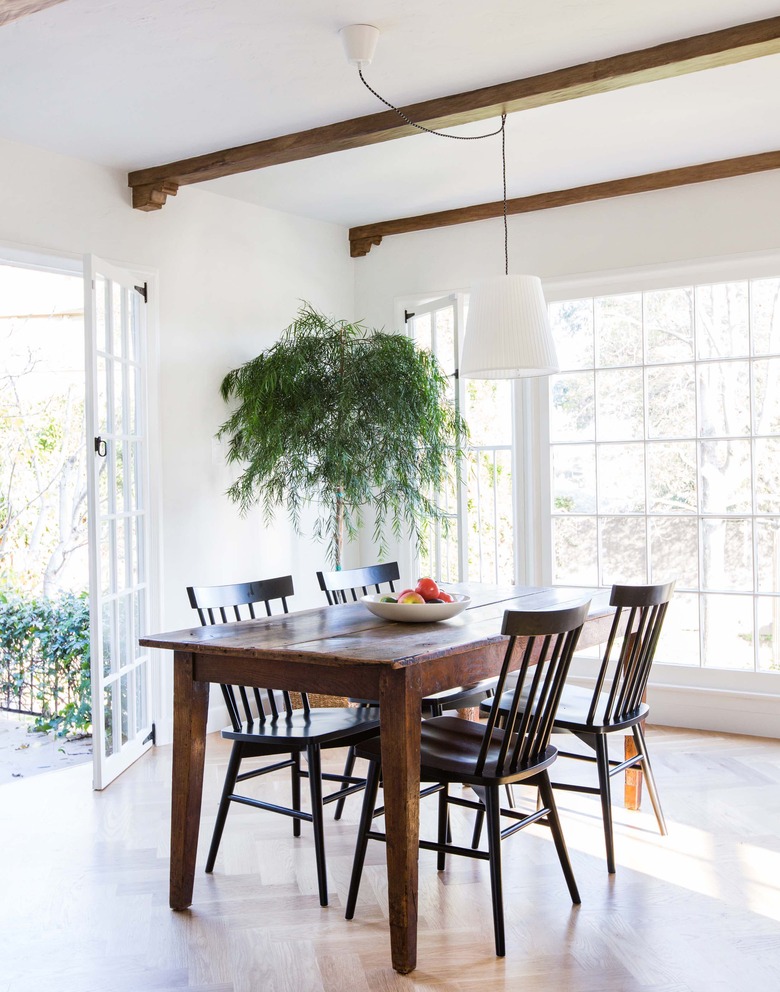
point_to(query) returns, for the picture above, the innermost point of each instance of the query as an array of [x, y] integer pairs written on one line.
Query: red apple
[[427, 588], [410, 597]]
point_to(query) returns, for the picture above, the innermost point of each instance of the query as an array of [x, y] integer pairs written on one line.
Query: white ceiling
[[137, 83]]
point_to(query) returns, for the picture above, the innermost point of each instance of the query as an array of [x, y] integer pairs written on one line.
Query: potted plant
[[344, 418]]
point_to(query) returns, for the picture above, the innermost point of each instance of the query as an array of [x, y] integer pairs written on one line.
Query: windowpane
[[671, 402], [674, 551], [621, 478], [727, 557], [618, 322], [765, 316], [623, 550], [489, 411], [725, 476], [766, 396], [767, 475], [724, 399], [769, 633], [671, 477], [572, 407], [572, 324], [574, 479], [668, 316], [722, 320], [619, 405], [575, 551], [679, 641], [767, 531], [727, 632]]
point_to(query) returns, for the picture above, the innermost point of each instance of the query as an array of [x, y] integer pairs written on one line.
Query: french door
[[118, 500]]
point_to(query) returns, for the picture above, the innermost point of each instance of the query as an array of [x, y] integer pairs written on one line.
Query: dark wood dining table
[[346, 651]]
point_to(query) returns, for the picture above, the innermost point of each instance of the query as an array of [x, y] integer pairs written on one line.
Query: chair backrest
[[550, 639], [350, 583], [623, 675], [223, 604]]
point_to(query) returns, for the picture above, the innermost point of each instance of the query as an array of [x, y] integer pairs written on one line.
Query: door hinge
[[151, 736], [143, 291], [407, 316]]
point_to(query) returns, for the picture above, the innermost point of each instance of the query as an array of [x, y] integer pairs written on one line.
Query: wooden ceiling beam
[[12, 10], [361, 239], [718, 48]]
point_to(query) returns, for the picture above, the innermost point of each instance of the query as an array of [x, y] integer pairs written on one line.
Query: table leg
[[400, 714], [190, 710], [632, 796]]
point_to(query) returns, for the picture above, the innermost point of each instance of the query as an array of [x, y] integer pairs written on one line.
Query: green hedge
[[44, 660]]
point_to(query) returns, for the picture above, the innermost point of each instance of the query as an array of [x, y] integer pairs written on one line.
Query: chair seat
[[572, 713], [449, 748], [320, 726]]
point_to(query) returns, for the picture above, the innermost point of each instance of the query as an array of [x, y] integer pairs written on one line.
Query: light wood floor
[[84, 888]]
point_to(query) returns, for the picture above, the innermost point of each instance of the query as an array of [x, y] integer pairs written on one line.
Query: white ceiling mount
[[360, 43]]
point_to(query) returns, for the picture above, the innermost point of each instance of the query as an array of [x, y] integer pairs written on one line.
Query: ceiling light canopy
[[360, 43]]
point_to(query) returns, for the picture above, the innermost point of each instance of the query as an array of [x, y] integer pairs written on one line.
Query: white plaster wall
[[230, 278]]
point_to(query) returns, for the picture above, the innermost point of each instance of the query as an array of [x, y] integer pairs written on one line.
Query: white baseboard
[[727, 711]]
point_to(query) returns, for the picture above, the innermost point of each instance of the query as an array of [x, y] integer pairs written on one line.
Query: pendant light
[[508, 334]]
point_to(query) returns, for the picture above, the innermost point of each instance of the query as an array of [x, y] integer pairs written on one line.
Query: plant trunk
[[338, 534]]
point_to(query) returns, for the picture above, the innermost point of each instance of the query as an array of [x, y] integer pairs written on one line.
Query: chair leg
[[493, 813], [296, 790], [602, 763], [480, 817], [548, 800], [366, 818], [641, 746], [234, 763], [444, 826], [349, 764], [317, 819]]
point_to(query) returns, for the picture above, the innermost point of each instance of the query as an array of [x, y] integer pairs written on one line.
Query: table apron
[[342, 679]]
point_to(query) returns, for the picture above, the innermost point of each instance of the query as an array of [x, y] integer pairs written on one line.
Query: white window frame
[[746, 689]]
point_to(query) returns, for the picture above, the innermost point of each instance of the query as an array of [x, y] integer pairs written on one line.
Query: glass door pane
[[118, 482]]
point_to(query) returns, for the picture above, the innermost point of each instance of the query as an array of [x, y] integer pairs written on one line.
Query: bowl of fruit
[[425, 603]]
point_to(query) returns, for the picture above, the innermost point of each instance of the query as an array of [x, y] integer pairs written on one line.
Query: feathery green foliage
[[345, 418]]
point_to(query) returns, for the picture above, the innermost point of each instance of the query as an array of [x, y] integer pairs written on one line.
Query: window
[[665, 459], [479, 543]]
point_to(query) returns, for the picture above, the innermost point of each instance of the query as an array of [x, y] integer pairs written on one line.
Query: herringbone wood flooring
[[84, 891]]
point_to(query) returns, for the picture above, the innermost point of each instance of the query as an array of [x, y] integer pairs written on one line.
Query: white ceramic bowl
[[415, 612]]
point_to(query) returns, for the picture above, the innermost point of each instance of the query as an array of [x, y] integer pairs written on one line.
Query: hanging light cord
[[458, 137], [503, 176], [421, 127]]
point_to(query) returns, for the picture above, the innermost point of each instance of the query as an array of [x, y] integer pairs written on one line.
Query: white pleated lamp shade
[[508, 334]]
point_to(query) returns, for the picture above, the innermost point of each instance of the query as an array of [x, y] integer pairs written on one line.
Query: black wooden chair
[[347, 586], [264, 724], [615, 703], [486, 757]]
